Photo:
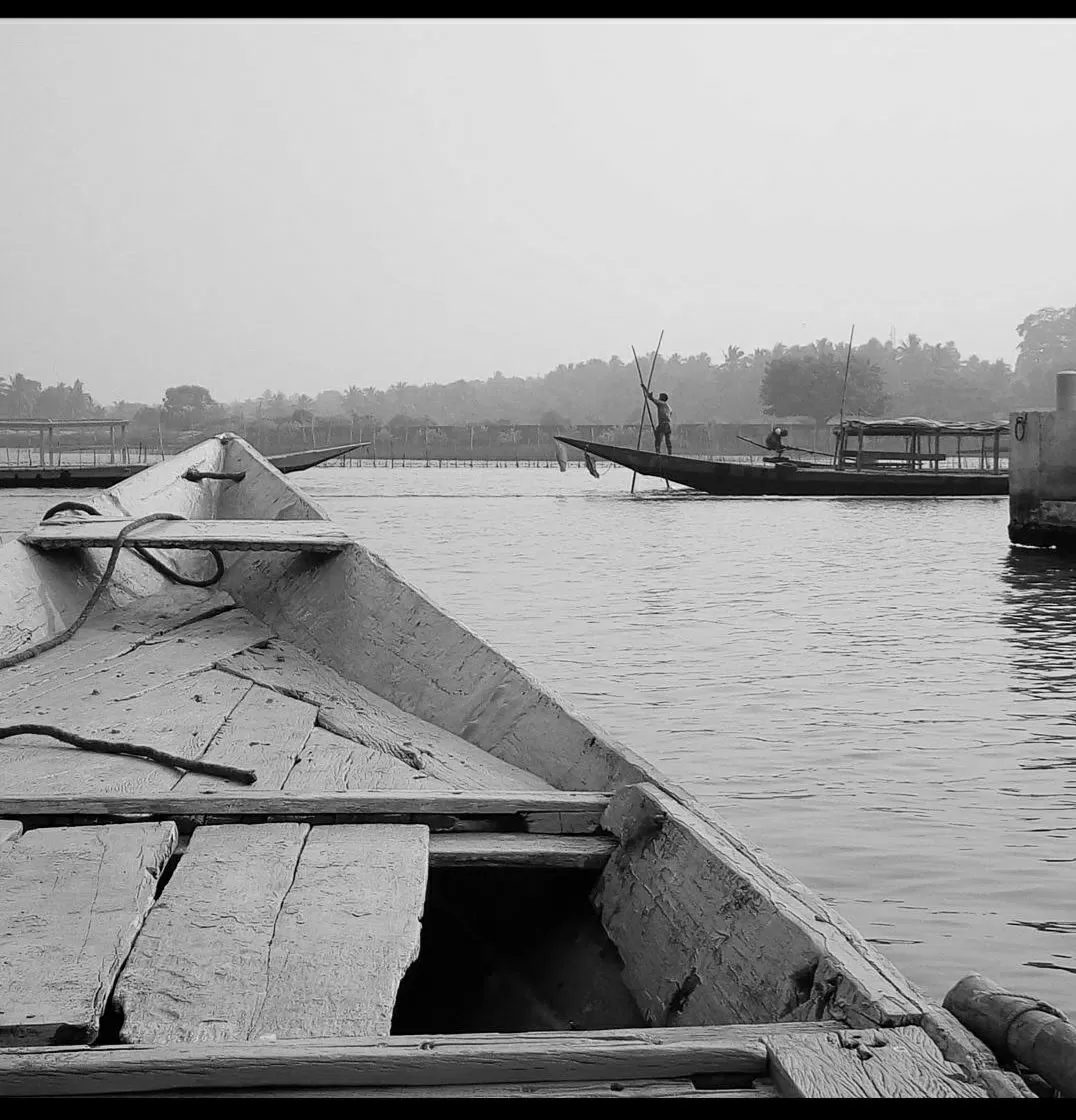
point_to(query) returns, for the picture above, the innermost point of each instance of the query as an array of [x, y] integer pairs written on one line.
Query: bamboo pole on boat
[[646, 401], [847, 367]]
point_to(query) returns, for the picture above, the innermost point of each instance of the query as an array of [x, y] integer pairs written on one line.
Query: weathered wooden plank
[[897, 1063], [181, 719], [150, 663], [711, 931], [578, 1056], [354, 712], [10, 831], [87, 651], [671, 1087], [515, 849], [330, 762], [126, 698], [295, 806], [71, 902], [199, 968], [167, 610], [265, 733], [114, 633], [101, 532], [346, 933], [958, 1045]]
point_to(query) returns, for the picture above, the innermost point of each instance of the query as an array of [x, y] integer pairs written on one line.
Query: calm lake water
[[879, 692]]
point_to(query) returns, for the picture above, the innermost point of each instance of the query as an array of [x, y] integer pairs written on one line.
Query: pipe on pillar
[[1066, 391]]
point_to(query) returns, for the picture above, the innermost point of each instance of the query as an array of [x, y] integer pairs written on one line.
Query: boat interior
[[403, 866]]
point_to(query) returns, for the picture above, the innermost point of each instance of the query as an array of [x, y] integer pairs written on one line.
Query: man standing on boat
[[664, 424]]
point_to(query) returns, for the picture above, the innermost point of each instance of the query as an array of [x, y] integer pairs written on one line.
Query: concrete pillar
[[1042, 478], [1066, 391]]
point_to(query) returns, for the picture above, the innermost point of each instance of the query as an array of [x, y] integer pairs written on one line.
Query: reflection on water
[[879, 692]]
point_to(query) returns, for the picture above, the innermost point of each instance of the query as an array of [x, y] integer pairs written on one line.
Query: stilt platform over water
[[371, 857]]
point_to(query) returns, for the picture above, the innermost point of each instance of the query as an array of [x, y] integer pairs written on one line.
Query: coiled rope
[[104, 746], [7, 660]]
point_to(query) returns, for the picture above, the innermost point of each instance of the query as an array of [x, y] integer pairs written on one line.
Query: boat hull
[[411, 785], [751, 480]]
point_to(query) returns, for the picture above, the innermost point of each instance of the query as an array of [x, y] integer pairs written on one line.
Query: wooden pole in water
[[646, 401], [1034, 1033]]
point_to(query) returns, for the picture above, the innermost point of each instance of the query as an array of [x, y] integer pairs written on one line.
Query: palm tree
[[20, 396], [354, 399], [910, 350]]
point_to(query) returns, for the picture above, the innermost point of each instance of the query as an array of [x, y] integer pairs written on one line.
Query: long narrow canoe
[[98, 476], [748, 479], [303, 460], [375, 858]]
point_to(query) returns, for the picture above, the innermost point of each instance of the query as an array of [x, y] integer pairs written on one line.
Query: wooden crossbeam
[[581, 1056], [230, 536], [515, 849], [552, 811]]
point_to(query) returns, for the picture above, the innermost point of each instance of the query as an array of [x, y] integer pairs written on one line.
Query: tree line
[[907, 378]]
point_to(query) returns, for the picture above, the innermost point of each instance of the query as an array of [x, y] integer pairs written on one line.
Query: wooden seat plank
[[71, 902], [101, 532], [354, 712], [279, 930], [900, 1062]]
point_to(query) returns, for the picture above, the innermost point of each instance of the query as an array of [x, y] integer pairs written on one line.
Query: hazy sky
[[301, 205]]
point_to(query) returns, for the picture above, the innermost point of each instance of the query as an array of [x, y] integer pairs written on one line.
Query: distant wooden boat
[[865, 474], [97, 477], [302, 460], [442, 880]]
